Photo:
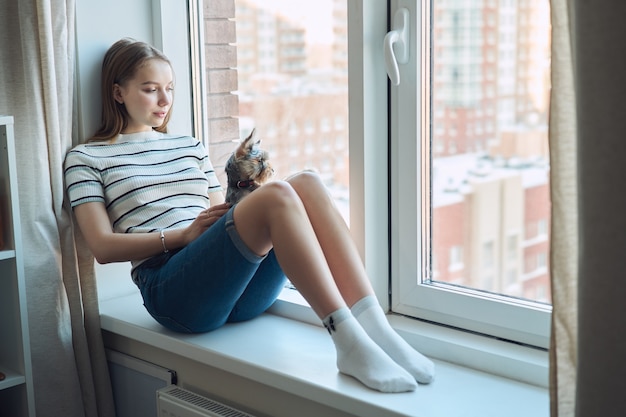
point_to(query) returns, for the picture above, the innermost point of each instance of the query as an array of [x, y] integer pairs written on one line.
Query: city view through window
[[490, 163], [292, 64], [490, 66]]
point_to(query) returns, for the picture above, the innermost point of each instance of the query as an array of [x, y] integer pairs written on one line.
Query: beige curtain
[[37, 87], [564, 233], [588, 150]]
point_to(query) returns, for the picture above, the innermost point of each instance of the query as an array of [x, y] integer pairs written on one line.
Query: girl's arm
[[108, 246]]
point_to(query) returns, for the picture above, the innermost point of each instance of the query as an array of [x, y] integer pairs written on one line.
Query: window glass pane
[[490, 162], [292, 62]]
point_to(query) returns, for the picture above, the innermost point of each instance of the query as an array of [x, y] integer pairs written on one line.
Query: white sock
[[359, 357], [372, 317]]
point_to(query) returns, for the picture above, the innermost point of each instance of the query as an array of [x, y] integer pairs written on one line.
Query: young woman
[[153, 198]]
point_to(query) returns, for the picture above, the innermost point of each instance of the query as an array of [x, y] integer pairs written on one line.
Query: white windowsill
[[299, 358]]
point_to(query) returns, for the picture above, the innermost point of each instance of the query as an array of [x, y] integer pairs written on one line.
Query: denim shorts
[[214, 280]]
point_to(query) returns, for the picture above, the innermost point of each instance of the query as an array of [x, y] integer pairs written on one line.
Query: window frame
[[368, 124], [375, 221], [520, 321]]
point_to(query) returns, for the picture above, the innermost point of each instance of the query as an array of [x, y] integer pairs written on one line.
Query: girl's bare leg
[[275, 216], [334, 237], [350, 277]]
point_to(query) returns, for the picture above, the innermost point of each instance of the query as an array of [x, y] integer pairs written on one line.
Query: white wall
[[101, 23]]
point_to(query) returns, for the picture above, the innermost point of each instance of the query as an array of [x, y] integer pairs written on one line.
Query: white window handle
[[397, 45]]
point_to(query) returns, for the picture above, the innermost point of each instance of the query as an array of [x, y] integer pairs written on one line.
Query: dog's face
[[247, 169]]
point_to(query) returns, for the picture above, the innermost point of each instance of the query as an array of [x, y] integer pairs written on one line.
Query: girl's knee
[[279, 189], [305, 179], [278, 193], [271, 198]]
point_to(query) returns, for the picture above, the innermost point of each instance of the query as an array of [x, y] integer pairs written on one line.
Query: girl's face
[[147, 97]]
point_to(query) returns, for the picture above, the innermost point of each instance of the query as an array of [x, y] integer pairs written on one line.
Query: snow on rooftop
[[452, 175]]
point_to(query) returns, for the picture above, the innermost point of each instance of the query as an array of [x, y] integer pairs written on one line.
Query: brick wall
[[221, 62]]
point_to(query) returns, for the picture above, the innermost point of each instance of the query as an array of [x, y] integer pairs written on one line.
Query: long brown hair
[[120, 64]]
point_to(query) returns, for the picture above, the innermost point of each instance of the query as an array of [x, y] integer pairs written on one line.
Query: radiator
[[173, 401]]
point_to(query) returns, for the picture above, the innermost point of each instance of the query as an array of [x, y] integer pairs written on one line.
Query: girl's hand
[[214, 213], [205, 219]]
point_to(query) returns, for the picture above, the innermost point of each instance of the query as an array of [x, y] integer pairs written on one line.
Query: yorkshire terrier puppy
[[247, 169]]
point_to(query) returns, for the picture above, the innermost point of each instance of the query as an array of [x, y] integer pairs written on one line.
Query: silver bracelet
[[165, 250]]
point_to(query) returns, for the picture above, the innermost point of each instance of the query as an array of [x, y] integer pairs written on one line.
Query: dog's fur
[[247, 169]]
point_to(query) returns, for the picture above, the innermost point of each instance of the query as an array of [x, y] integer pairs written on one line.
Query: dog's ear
[[246, 147]]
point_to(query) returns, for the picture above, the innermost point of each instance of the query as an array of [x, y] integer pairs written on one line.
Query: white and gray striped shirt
[[148, 181]]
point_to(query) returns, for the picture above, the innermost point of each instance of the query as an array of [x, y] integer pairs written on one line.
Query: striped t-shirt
[[148, 181]]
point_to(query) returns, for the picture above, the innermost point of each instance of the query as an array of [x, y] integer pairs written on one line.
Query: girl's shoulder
[[79, 155], [78, 150], [86, 150]]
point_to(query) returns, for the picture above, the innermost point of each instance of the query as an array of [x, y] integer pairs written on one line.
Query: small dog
[[247, 169]]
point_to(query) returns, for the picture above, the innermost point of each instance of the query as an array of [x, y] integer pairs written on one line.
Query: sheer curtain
[[37, 87]]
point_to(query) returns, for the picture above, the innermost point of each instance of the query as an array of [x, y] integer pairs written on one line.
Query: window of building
[[512, 248], [488, 255], [542, 227], [456, 258]]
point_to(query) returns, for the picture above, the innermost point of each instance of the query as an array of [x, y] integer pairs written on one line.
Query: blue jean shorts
[[214, 280]]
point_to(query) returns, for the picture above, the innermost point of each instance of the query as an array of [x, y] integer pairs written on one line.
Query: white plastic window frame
[[498, 316], [367, 21]]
